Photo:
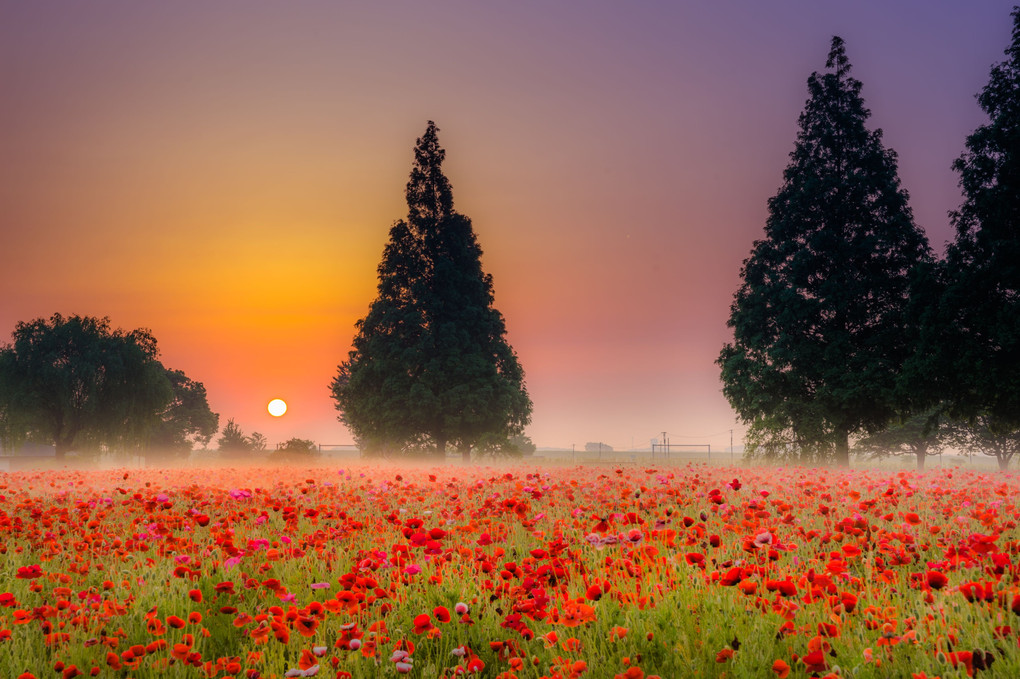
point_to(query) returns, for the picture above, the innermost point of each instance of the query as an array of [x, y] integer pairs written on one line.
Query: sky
[[225, 174]]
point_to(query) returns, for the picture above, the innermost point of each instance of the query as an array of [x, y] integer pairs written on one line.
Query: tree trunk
[[843, 450], [921, 450], [1003, 462], [440, 453], [465, 453], [61, 448]]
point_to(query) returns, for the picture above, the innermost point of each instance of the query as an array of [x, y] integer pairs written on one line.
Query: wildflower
[[781, 669], [422, 623]]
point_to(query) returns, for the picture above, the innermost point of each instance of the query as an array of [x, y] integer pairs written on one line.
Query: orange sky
[[225, 174]]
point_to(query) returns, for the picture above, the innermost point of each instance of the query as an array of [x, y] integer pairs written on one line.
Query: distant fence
[[344, 450], [673, 455]]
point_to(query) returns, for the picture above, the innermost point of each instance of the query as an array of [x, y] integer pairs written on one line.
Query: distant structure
[[598, 447], [26, 455]]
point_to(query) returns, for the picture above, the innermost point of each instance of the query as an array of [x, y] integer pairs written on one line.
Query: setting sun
[[277, 407]]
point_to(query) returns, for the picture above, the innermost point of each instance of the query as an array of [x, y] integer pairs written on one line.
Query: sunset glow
[[225, 175]]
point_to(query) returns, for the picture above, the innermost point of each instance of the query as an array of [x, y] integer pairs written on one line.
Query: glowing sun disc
[[277, 407]]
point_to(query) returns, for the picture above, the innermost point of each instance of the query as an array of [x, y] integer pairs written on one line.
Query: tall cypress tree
[[430, 365], [819, 324], [980, 319]]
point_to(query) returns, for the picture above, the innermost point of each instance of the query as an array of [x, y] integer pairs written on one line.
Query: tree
[[75, 382], [920, 436], [515, 446], [257, 442], [430, 365], [976, 335], [186, 420], [232, 441], [820, 330], [296, 449], [988, 435]]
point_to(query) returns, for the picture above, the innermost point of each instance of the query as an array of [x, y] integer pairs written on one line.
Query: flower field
[[511, 572]]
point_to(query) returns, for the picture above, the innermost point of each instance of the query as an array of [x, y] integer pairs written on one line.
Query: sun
[[277, 407]]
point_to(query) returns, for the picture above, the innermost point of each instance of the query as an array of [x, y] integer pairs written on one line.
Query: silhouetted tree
[[186, 420], [257, 442], [988, 436], [74, 381], [373, 387], [920, 436], [232, 441], [975, 337], [819, 323], [296, 449], [430, 364]]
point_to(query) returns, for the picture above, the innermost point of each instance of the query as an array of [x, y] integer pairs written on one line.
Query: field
[[524, 571]]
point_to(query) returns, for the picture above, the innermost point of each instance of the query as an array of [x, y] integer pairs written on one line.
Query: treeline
[[430, 369], [78, 384], [850, 334]]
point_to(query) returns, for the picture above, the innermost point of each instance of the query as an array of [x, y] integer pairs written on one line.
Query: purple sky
[[226, 173]]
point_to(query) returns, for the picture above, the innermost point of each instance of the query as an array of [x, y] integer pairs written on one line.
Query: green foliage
[[232, 441], [990, 436], [186, 420], [926, 433], [296, 449], [975, 336], [515, 446], [77, 383], [820, 325], [430, 365]]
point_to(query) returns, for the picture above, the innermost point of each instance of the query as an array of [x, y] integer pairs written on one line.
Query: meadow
[[513, 572]]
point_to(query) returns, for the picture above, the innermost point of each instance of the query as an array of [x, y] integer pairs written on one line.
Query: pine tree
[[430, 364], [819, 324], [980, 319]]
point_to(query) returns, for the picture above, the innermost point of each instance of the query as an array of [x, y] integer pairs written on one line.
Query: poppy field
[[509, 572]]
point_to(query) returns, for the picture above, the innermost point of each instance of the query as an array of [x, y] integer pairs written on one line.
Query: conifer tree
[[978, 329], [819, 323], [430, 366]]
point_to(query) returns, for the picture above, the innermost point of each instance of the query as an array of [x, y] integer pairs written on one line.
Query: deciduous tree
[[186, 420], [75, 381]]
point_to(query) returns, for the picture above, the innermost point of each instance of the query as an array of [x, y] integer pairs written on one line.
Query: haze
[[225, 174]]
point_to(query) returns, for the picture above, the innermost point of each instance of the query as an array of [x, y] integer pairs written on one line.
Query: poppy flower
[[422, 623], [781, 669]]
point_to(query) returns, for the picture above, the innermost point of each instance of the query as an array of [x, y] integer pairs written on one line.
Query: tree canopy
[[820, 329], [186, 419], [430, 365], [977, 329], [76, 382]]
